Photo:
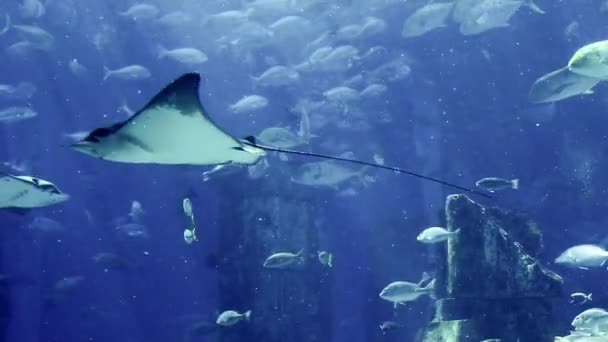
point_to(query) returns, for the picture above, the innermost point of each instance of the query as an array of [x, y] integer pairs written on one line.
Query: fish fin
[[247, 315], [588, 92], [534, 7], [430, 287], [583, 268], [300, 254], [515, 184], [395, 305], [425, 277], [107, 72]]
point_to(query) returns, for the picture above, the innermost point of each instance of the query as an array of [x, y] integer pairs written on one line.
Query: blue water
[[458, 116]]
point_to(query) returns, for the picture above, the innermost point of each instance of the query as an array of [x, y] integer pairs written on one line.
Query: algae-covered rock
[[485, 260], [491, 286]]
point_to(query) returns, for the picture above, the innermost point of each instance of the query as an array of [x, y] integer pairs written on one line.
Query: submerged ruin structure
[[287, 304], [491, 286]]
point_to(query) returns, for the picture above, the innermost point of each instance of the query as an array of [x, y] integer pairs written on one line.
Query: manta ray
[[173, 128], [28, 192]]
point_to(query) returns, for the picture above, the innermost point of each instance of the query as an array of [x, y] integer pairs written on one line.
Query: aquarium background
[[461, 114]]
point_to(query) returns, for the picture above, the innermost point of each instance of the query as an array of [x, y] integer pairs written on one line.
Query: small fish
[[373, 90], [580, 298], [136, 212], [372, 26], [21, 49], [435, 235], [426, 19], [591, 60], [325, 173], [326, 258], [174, 19], [141, 11], [190, 236], [493, 184], [491, 14], [187, 206], [230, 317], [280, 137], [16, 114], [400, 292], [341, 94], [283, 260], [249, 103], [36, 36], [188, 56], [561, 84], [583, 257], [389, 326], [128, 73], [590, 320], [218, 170], [226, 20], [68, 283], [276, 76], [22, 91]]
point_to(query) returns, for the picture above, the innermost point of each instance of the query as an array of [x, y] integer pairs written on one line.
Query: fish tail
[[534, 7], [331, 258], [254, 81], [161, 52], [247, 315], [456, 231], [515, 184], [589, 296], [107, 71]]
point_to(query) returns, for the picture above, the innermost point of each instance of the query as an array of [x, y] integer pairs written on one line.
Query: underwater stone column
[[259, 218], [491, 286]]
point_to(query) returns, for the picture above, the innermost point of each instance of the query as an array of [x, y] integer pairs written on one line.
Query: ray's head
[[94, 144]]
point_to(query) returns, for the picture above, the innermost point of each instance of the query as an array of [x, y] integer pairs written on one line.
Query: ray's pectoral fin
[[173, 128]]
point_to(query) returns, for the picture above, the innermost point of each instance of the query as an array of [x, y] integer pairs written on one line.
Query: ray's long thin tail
[[252, 142]]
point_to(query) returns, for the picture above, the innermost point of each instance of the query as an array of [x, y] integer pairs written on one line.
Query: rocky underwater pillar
[[264, 217], [491, 286]]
